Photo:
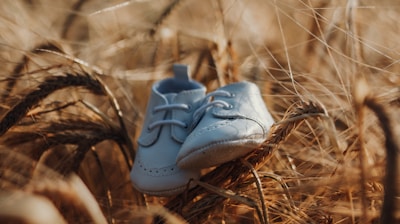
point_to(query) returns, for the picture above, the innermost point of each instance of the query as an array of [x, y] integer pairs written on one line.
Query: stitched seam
[[158, 172]]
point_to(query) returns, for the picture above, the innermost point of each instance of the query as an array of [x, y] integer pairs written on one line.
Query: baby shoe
[[233, 121], [168, 116]]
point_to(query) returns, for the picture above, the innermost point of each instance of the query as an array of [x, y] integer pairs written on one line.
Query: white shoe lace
[[168, 107], [210, 102], [207, 103]]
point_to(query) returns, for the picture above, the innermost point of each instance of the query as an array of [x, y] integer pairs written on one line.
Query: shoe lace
[[168, 107], [210, 102]]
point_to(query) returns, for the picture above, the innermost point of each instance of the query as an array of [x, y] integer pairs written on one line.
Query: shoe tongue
[[170, 97]]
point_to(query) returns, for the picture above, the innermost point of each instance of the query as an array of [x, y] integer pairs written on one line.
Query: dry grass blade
[[284, 187], [73, 196], [22, 207], [17, 72], [235, 197], [166, 13], [71, 17], [105, 184], [89, 202], [47, 194], [160, 214], [50, 85], [361, 93], [124, 132], [388, 212], [322, 162], [259, 189], [106, 90], [230, 175], [58, 107], [128, 158], [168, 217], [82, 133]]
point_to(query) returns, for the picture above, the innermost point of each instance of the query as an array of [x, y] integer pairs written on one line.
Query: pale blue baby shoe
[[166, 126], [231, 123]]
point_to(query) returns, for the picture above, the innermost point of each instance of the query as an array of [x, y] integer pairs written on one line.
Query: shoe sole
[[205, 157], [164, 193]]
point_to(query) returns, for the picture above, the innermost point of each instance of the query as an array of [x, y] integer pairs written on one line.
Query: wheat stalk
[[365, 98], [17, 72], [230, 175], [71, 18]]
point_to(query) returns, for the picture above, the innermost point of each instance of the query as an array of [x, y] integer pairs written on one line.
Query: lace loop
[[216, 103], [164, 122], [180, 106], [207, 103], [168, 107]]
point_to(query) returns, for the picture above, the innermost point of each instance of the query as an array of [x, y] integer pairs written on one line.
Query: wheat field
[[76, 76]]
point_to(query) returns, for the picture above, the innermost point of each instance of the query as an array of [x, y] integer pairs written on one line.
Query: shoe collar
[[180, 89]]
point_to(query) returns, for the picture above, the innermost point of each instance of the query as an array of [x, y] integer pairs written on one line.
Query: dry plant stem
[[87, 199], [231, 174], [105, 183], [215, 51], [104, 89], [284, 187], [71, 196], [113, 127], [199, 62], [50, 85], [351, 13], [124, 131], [65, 134], [231, 195], [205, 55], [79, 155], [165, 214], [290, 71], [17, 72], [71, 132], [58, 108], [232, 69], [166, 13], [259, 188], [363, 168], [27, 208], [71, 17], [316, 25], [392, 150]]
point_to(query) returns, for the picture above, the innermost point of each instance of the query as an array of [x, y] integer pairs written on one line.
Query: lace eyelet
[[230, 106], [189, 108], [232, 95]]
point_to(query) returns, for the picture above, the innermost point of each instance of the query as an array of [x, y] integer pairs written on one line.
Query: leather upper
[[246, 103], [242, 125], [154, 170], [179, 134]]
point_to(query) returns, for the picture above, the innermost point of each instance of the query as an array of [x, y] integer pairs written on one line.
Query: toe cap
[[220, 142], [165, 181]]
